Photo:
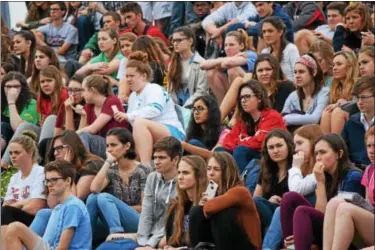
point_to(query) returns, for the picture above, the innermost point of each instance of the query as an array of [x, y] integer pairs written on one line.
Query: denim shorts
[[175, 132]]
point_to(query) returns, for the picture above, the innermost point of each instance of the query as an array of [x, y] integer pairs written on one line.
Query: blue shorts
[[175, 132]]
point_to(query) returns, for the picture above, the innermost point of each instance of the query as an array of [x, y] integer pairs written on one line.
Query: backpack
[[250, 175], [123, 244]]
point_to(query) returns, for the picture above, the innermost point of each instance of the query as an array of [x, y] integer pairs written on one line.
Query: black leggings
[[220, 229], [11, 214]]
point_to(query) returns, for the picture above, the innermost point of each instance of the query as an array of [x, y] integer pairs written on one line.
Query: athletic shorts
[[175, 132], [156, 10], [41, 244]]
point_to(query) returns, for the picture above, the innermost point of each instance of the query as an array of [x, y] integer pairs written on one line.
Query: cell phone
[[115, 109], [211, 190]]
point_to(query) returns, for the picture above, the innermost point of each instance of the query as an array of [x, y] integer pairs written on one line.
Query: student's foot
[[116, 236]]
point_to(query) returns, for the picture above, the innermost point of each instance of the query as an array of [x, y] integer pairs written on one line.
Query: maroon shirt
[[106, 109]]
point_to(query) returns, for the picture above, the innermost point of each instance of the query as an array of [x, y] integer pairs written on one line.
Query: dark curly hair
[[264, 102], [25, 94], [269, 168], [211, 133]]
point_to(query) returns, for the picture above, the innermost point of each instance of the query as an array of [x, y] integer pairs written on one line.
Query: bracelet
[[11, 103], [109, 162]]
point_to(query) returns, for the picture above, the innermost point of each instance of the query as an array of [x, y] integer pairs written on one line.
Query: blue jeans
[[86, 29], [95, 144], [197, 143], [118, 216], [40, 221], [274, 235], [266, 210], [243, 155]]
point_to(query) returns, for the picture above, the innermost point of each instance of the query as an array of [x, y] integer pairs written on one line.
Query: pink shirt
[[368, 181]]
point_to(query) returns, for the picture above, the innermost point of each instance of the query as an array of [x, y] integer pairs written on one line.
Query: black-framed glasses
[[52, 180], [178, 40], [74, 91], [58, 149], [246, 97], [199, 109], [362, 97]]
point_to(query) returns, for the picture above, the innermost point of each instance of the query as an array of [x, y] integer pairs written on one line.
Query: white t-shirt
[[290, 56], [121, 73], [29, 188]]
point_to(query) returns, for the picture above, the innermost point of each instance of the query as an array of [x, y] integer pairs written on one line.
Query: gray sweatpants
[[45, 132]]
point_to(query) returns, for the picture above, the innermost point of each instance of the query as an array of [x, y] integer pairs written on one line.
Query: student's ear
[[127, 146], [176, 160], [340, 154], [139, 16]]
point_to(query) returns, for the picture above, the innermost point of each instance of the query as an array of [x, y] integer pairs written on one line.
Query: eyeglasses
[[199, 109], [52, 180], [12, 86], [58, 149], [178, 40], [54, 9], [362, 97], [246, 97], [74, 91]]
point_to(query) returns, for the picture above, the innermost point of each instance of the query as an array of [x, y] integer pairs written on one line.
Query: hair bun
[[139, 56], [30, 134]]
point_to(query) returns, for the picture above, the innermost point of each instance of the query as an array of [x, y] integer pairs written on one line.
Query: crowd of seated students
[[114, 131]]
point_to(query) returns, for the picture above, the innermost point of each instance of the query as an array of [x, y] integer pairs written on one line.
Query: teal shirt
[[28, 114], [103, 58]]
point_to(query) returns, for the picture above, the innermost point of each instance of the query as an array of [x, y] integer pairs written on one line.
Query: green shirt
[[103, 58], [28, 114]]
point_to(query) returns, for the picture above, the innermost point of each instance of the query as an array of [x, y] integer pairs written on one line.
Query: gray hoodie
[[157, 194]]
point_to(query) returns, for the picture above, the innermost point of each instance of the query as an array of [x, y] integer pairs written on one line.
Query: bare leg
[[325, 122], [230, 98], [145, 133], [18, 235], [3, 235], [261, 45], [235, 72], [351, 219], [218, 82], [303, 40], [340, 117], [329, 221]]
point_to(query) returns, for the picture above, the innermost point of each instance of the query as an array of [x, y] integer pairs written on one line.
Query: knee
[[224, 217], [196, 212], [103, 198], [240, 151], [83, 19], [92, 199], [51, 119], [14, 228], [339, 113], [302, 211], [345, 209], [334, 203], [210, 73], [84, 136], [290, 197], [303, 35]]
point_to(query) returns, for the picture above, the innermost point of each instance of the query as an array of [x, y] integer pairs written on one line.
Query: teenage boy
[[356, 127], [133, 16], [69, 225], [59, 35], [160, 189]]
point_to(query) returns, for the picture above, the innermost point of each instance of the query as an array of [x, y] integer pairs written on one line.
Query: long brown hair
[[177, 206], [139, 61], [310, 132], [101, 83], [175, 67], [230, 176], [149, 46], [53, 73], [81, 156], [344, 90], [324, 49], [50, 53], [269, 168], [113, 35], [363, 11], [242, 38]]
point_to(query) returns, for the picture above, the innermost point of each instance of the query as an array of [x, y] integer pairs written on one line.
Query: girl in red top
[[255, 119]]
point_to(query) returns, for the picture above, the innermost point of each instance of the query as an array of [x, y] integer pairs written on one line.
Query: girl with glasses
[[186, 80], [25, 194], [18, 108], [204, 128], [254, 120]]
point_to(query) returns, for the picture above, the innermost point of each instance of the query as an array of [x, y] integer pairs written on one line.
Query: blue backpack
[[250, 175], [124, 244]]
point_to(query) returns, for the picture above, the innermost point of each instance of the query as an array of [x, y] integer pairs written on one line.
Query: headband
[[308, 61]]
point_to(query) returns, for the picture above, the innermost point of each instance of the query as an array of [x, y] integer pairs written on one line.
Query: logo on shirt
[[24, 192]]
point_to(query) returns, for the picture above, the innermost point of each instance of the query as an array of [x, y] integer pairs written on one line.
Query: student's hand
[[45, 20], [319, 172], [79, 110], [367, 38], [21, 24], [69, 103], [12, 95], [110, 157], [68, 155], [289, 241], [203, 199], [275, 199], [145, 248], [120, 116], [98, 66], [87, 53], [341, 24], [346, 48], [331, 107], [298, 159], [249, 24], [243, 54], [341, 102]]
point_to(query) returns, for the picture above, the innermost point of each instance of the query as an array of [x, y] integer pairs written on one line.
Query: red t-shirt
[[150, 30], [44, 106], [106, 109]]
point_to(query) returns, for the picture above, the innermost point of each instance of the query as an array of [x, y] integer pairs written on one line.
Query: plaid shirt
[[109, 6]]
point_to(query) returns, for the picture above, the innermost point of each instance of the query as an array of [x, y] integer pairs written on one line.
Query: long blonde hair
[[344, 90], [177, 206]]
